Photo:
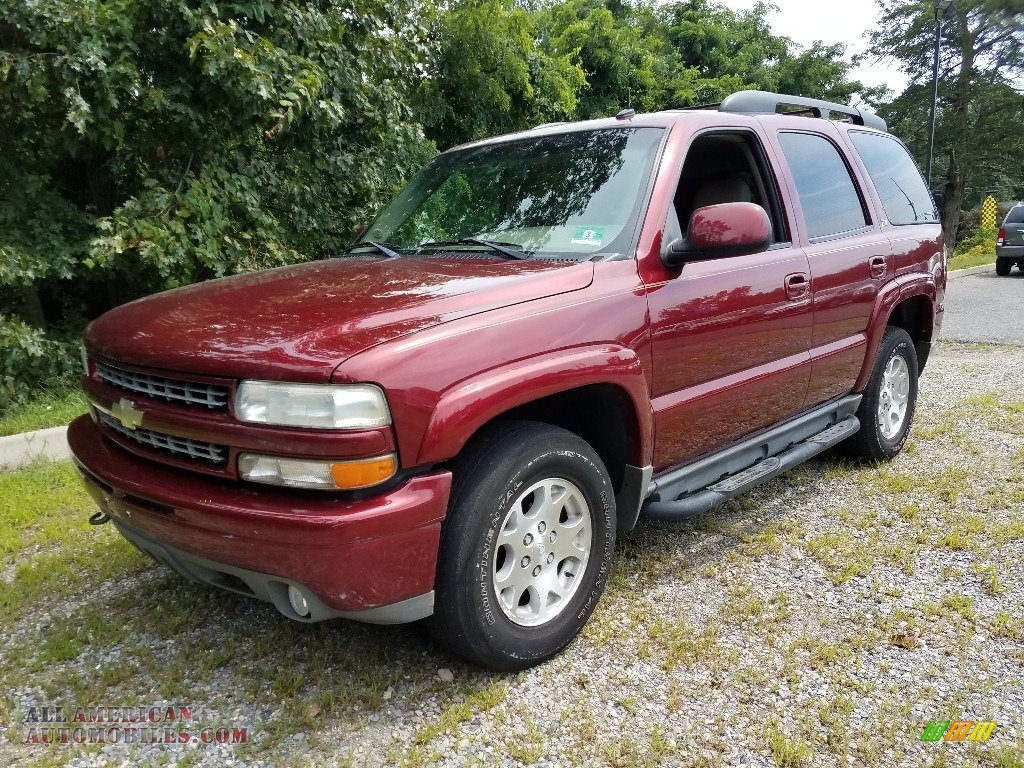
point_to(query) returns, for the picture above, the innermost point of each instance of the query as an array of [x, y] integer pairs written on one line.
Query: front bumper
[[372, 559]]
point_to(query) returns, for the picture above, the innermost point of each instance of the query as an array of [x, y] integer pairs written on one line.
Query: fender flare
[[892, 295], [466, 406]]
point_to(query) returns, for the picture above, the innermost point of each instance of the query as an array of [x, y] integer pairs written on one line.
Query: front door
[[730, 336]]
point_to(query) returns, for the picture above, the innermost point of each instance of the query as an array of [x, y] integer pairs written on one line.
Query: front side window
[[726, 167], [896, 177], [828, 195], [567, 194]]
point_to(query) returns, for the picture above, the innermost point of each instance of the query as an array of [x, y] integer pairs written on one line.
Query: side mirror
[[729, 229]]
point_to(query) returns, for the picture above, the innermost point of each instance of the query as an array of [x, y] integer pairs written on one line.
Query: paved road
[[984, 307]]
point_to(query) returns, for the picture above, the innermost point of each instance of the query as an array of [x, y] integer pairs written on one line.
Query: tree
[[818, 72], [150, 144], [659, 56], [163, 143], [487, 74], [980, 112], [718, 42], [620, 54], [210, 137]]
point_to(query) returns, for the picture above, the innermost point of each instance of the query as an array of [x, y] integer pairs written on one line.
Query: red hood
[[299, 323]]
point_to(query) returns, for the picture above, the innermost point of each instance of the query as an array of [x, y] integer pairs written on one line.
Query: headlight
[[309, 473], [85, 359], [320, 406]]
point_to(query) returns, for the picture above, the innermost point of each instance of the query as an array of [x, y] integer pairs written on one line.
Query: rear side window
[[827, 191], [903, 192], [1016, 215]]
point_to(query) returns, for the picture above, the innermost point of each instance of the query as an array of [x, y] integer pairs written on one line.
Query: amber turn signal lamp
[[350, 475]]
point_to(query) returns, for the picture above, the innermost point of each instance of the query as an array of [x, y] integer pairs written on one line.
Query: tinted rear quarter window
[[827, 192], [896, 178], [1016, 215]]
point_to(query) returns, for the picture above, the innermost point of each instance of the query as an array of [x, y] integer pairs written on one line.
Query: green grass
[[679, 644], [45, 537], [842, 556], [789, 752], [49, 408], [970, 259], [630, 751]]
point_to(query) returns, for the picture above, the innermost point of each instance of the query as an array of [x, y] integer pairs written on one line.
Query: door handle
[[797, 285], [877, 265]]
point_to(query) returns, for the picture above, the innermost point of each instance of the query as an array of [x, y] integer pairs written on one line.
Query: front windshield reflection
[[572, 193]]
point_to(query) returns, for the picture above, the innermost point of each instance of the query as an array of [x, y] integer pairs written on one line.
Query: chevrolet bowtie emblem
[[126, 413]]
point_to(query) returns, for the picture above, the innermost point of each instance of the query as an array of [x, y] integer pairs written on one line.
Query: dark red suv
[[545, 336]]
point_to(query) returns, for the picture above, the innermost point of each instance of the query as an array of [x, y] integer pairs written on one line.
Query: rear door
[[849, 258]]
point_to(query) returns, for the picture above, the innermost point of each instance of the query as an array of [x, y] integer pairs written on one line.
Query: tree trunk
[[960, 163], [101, 185], [952, 200], [32, 307]]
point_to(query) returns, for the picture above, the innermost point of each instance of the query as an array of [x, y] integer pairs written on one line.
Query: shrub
[[29, 359], [982, 242]]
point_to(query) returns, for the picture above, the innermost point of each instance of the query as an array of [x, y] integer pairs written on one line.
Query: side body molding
[[468, 405]]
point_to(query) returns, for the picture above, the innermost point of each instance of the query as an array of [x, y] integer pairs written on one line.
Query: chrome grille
[[174, 390], [180, 446]]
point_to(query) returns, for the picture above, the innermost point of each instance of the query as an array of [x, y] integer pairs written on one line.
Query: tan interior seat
[[729, 189]]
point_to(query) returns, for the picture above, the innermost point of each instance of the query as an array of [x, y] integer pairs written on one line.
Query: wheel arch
[[916, 315], [599, 394], [909, 305]]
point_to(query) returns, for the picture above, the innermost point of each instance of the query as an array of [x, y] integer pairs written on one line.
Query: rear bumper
[[371, 559], [1010, 251]]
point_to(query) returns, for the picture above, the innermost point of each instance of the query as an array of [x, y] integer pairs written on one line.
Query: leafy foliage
[[981, 55], [164, 143], [488, 75], [29, 359]]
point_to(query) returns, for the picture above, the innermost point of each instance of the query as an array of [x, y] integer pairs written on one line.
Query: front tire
[[887, 408], [526, 548], [1003, 267]]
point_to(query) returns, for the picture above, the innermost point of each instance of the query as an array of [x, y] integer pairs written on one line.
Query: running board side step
[[729, 487]]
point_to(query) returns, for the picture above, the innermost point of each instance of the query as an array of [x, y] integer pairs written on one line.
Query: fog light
[[298, 602]]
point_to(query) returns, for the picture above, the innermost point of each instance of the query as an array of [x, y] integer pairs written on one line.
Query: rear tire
[[887, 409], [526, 548], [1003, 267]]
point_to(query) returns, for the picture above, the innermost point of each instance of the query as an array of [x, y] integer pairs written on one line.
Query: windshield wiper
[[381, 248], [496, 247]]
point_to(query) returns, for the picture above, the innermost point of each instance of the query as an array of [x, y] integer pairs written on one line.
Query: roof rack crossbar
[[764, 102]]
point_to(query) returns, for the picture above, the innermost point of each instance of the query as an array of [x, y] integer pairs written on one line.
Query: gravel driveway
[[823, 619], [984, 307]]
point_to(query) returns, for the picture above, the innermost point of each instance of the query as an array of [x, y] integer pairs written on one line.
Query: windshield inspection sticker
[[588, 236]]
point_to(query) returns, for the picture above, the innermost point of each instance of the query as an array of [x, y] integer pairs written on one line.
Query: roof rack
[[763, 102]]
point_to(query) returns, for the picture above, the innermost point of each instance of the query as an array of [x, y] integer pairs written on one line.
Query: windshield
[[566, 194]]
